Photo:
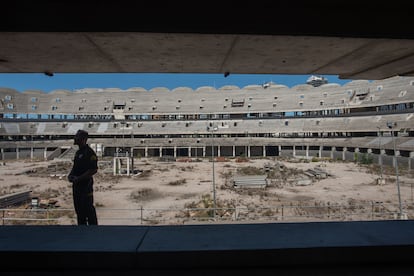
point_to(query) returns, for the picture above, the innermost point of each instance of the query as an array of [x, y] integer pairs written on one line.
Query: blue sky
[[73, 81]]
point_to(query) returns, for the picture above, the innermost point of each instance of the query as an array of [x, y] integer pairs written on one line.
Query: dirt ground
[[182, 192]]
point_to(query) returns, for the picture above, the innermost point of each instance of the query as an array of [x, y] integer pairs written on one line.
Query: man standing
[[85, 165]]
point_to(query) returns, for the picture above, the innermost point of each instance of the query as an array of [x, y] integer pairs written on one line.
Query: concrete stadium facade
[[340, 122]]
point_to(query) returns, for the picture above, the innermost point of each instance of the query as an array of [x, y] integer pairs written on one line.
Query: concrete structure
[[322, 248], [252, 121], [347, 38]]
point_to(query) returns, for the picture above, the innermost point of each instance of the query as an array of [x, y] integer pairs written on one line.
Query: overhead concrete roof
[[347, 38]]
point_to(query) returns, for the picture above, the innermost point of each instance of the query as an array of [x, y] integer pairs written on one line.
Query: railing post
[[372, 210], [329, 210], [235, 214], [141, 215]]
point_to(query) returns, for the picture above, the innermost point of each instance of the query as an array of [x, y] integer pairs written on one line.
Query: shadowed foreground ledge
[[317, 247]]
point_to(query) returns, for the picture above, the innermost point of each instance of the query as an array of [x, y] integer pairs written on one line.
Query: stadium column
[[357, 153], [332, 152], [380, 159], [394, 159], [369, 152], [264, 151], [294, 151], [234, 151], [307, 151], [344, 153], [2, 154], [410, 160], [189, 151], [128, 164]]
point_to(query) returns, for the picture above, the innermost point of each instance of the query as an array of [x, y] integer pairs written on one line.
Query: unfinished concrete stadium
[[339, 122]]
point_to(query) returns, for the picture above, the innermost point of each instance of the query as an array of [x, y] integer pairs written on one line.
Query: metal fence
[[174, 216]]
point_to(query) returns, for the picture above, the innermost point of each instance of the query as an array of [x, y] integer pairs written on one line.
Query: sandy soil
[[161, 191]]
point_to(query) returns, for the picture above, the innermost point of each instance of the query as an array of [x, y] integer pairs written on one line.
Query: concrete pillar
[[394, 158], [248, 151], [160, 151], [204, 151], [280, 150], [146, 151], [382, 152], [369, 151], [320, 151], [410, 160], [117, 165], [294, 151], [234, 151], [31, 153], [343, 153], [264, 151], [189, 151], [307, 152], [17, 153], [357, 152], [2, 154], [175, 151], [332, 152], [218, 151], [45, 154], [196, 152]]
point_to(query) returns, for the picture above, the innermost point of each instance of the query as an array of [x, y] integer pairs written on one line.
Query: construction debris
[[250, 181]]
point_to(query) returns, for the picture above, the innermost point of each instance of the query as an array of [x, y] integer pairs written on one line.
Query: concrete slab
[[71, 238], [276, 236], [217, 246]]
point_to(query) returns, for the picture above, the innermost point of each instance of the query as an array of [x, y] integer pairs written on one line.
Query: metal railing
[[174, 216]]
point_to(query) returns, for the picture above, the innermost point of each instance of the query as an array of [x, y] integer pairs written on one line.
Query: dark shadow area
[[321, 248]]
